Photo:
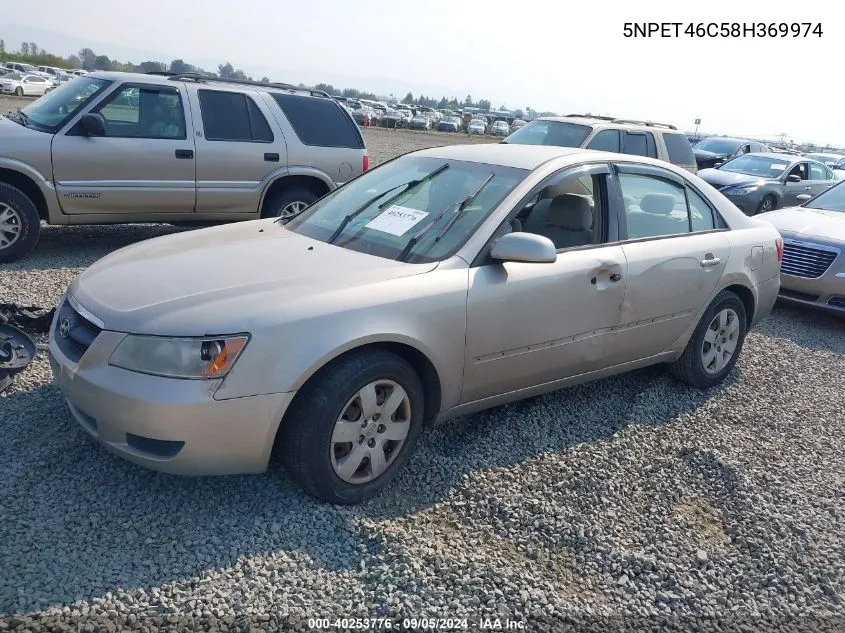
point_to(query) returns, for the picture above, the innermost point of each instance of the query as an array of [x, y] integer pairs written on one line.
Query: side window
[[232, 116], [679, 149], [568, 211], [701, 214], [800, 170], [829, 173], [639, 144], [817, 172], [606, 141], [318, 121], [653, 207], [144, 112]]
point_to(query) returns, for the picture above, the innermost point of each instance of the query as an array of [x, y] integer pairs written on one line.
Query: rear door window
[[679, 149], [606, 141], [639, 144], [319, 122], [232, 116]]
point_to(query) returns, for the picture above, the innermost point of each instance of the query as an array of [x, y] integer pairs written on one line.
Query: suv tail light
[[779, 248], [366, 162]]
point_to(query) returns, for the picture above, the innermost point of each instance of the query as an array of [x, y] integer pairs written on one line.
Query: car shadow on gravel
[[807, 327], [77, 522], [81, 246]]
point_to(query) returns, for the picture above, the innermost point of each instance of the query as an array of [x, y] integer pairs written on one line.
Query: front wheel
[[353, 426], [18, 91], [769, 203], [20, 224], [714, 347]]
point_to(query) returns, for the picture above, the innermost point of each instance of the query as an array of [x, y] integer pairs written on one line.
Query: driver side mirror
[[717, 165], [524, 247], [793, 178], [93, 124]]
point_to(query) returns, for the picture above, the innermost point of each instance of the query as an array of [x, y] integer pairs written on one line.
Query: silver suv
[[609, 134], [111, 148]]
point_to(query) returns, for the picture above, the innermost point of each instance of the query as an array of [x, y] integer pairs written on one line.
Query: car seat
[[570, 221]]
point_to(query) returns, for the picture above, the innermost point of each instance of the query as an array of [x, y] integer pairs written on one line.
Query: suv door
[[143, 166], [529, 324], [676, 248], [236, 150]]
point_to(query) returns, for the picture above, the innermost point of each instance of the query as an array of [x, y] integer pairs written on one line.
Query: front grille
[[79, 332], [836, 302], [795, 294], [805, 260]]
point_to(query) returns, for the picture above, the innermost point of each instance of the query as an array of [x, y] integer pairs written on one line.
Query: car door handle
[[184, 153], [615, 277], [807, 188], [271, 157], [710, 261]]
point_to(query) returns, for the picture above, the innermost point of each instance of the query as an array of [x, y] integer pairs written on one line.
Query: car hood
[[811, 222], [223, 279], [703, 154], [720, 178]]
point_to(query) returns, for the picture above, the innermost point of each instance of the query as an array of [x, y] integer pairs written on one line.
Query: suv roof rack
[[591, 116], [646, 123], [242, 82]]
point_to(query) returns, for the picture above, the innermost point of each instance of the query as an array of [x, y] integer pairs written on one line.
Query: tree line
[[88, 59]]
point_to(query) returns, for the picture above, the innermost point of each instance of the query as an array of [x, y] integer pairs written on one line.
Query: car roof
[[168, 80], [596, 121], [735, 139]]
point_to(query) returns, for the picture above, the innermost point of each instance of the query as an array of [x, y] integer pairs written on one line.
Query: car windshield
[[50, 111], [557, 133], [718, 146], [831, 200], [385, 225], [762, 166]]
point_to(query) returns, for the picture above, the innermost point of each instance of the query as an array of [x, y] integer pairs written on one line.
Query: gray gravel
[[634, 503]]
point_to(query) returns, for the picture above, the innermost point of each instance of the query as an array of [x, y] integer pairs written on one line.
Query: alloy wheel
[[10, 225], [291, 209], [370, 432], [720, 341]]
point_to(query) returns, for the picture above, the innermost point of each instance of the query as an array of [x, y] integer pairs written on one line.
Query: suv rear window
[[546, 132], [232, 116], [320, 122], [639, 144], [679, 149]]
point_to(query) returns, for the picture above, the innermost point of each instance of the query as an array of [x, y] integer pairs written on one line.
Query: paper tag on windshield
[[396, 220], [778, 166]]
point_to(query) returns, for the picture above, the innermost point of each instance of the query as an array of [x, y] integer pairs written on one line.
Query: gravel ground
[[634, 503]]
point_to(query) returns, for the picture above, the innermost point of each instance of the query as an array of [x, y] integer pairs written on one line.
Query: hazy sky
[[549, 55]]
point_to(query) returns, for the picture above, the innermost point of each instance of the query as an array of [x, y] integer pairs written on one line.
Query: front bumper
[[171, 425], [826, 292]]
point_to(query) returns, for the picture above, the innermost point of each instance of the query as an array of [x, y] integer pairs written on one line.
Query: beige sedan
[[441, 283]]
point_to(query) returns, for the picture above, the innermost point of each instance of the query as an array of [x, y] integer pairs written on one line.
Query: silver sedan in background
[[813, 267], [758, 183], [444, 282]]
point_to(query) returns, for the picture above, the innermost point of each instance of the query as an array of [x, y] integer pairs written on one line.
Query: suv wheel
[[353, 426], [19, 224], [287, 202]]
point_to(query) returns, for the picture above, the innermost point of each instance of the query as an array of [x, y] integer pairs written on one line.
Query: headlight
[[741, 191], [198, 358]]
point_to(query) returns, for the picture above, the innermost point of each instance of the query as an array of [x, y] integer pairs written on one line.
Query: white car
[[477, 126], [25, 85], [25, 69]]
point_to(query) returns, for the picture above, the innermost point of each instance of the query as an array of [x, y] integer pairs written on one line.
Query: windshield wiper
[[23, 116], [408, 186], [463, 204]]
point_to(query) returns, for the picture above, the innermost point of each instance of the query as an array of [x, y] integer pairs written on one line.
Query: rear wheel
[[287, 202], [769, 203], [353, 426], [19, 223], [715, 345]]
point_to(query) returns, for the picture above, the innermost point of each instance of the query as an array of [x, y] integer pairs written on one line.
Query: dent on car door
[[676, 254], [143, 165], [533, 323]]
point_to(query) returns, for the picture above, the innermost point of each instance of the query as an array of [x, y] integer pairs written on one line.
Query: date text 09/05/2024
[[722, 29]]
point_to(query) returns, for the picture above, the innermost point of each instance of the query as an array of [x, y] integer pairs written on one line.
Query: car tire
[[287, 201], [710, 340], [18, 91], [20, 224], [308, 440], [768, 203]]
